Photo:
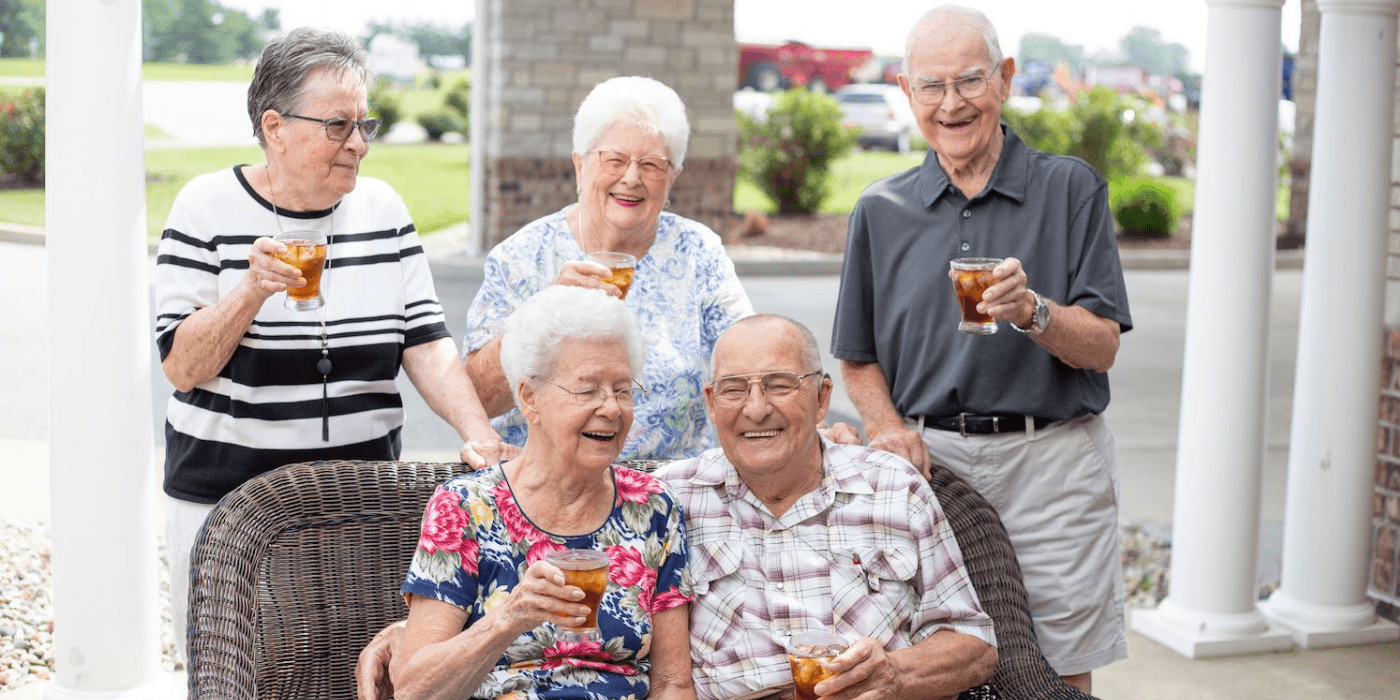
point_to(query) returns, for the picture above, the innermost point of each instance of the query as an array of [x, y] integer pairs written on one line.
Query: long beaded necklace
[[324, 364]]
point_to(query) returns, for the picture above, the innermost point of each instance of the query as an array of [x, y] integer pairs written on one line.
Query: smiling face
[[764, 437], [310, 170], [966, 133], [630, 203], [563, 424]]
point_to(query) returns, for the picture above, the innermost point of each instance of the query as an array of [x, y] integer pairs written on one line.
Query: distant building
[[1123, 77], [393, 57]]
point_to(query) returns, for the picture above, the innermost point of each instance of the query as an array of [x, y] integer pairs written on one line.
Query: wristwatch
[[1040, 316]]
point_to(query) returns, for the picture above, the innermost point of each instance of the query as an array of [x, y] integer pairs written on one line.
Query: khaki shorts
[[1056, 490]]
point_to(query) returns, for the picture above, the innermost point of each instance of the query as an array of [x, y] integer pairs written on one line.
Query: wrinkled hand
[[1009, 299], [587, 274], [266, 273], [479, 454], [906, 443], [372, 670], [542, 596], [863, 672], [841, 433]]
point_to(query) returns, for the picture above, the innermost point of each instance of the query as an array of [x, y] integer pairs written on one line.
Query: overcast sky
[[1096, 25]]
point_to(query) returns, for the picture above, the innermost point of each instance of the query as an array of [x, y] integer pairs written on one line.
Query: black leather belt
[[979, 424]]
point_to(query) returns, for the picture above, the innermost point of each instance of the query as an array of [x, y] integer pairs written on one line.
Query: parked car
[[795, 64], [881, 113]]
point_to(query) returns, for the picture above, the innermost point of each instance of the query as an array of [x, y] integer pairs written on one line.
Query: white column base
[[1197, 635], [1325, 626], [167, 686]]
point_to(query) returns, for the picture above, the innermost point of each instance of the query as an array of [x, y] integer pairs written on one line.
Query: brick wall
[[534, 62], [1385, 501]]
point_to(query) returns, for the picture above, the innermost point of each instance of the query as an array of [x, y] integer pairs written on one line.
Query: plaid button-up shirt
[[868, 554]]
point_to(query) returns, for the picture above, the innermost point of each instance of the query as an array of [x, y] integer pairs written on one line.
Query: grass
[[21, 68], [850, 174], [433, 179]]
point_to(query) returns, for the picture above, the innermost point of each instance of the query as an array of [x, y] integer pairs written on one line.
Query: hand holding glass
[[621, 266], [306, 251], [587, 569], [972, 277]]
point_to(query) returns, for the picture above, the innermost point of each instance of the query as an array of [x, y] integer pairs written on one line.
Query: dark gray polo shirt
[[896, 304]]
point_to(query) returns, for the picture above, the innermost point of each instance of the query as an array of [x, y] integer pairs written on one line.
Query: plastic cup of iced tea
[[808, 653], [306, 251], [621, 267], [972, 277], [587, 569]]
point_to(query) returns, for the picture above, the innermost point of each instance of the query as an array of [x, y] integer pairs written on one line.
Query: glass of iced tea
[[306, 251], [587, 569], [621, 266], [972, 277], [808, 653]]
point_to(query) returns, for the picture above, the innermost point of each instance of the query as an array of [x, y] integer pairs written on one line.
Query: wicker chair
[[1022, 673], [295, 571]]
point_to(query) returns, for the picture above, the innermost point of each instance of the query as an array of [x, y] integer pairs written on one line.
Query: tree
[[788, 153], [1144, 47], [1050, 50], [200, 31], [21, 22]]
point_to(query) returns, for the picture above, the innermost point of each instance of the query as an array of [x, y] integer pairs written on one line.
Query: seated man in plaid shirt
[[789, 532]]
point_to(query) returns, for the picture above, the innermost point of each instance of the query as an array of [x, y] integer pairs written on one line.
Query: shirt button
[[778, 585], [967, 213], [966, 247]]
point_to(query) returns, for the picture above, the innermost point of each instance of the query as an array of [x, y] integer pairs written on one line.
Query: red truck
[[767, 67]]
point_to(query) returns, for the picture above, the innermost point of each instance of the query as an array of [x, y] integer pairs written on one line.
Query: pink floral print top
[[476, 543]]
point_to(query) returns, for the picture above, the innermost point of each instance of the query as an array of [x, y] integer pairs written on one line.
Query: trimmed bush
[[1145, 208], [385, 104], [438, 123], [22, 137], [788, 153]]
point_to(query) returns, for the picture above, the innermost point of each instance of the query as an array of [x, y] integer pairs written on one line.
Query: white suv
[[881, 112]]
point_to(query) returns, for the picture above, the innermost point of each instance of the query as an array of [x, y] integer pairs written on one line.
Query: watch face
[[1042, 314]]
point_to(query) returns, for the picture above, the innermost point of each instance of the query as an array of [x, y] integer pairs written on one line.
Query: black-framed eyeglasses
[[971, 87], [614, 164], [597, 396], [339, 128], [734, 389]]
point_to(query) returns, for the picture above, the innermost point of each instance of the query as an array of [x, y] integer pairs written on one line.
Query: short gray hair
[[279, 81], [811, 353], [970, 17], [537, 329], [633, 100]]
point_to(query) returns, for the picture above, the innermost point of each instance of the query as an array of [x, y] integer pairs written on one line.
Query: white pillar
[[106, 627], [1332, 451], [1211, 608]]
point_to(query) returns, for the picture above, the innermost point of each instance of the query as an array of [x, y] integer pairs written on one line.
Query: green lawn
[[21, 68], [433, 179]]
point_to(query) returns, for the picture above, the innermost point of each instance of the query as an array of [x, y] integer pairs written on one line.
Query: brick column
[[1385, 501], [535, 60]]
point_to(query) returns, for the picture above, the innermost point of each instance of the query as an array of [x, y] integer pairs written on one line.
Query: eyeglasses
[[339, 128], [614, 164], [597, 396], [968, 88], [734, 389]]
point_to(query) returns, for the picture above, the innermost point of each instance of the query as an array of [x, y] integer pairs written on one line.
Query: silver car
[[881, 112]]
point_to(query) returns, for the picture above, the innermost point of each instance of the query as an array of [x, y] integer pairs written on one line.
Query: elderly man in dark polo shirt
[[1016, 414]]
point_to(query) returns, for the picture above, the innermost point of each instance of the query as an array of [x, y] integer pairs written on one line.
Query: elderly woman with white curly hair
[[485, 607], [630, 137]]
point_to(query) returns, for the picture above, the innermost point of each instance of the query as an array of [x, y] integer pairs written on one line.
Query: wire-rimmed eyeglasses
[[597, 396], [339, 128], [971, 87], [614, 164], [734, 389]]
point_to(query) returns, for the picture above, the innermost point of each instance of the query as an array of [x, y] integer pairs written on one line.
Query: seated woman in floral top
[[484, 605]]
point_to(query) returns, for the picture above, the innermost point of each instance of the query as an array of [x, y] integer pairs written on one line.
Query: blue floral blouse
[[684, 293], [476, 543]]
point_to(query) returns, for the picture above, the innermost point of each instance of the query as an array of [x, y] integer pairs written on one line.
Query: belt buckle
[[962, 423]]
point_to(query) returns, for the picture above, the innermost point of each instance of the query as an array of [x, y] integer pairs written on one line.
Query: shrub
[[22, 137], [1145, 208], [1044, 129], [1114, 145], [458, 100], [788, 152], [385, 104], [438, 123]]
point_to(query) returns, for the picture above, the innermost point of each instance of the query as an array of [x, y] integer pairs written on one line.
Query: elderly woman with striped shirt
[[259, 385]]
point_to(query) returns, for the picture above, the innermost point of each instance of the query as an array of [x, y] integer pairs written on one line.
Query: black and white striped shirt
[[264, 409]]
